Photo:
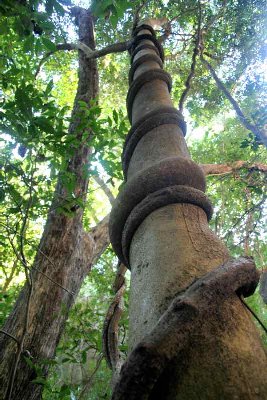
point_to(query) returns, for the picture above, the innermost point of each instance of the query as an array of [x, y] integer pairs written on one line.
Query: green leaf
[[49, 4], [44, 124], [38, 46], [115, 116], [65, 390], [48, 44], [84, 356], [23, 102], [49, 87], [28, 44], [2, 195], [29, 362], [4, 27], [39, 380], [100, 7], [58, 8]]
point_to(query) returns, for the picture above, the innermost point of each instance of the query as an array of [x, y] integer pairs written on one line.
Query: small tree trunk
[[65, 256], [171, 245]]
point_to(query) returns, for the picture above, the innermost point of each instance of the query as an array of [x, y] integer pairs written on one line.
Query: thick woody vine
[[168, 181]]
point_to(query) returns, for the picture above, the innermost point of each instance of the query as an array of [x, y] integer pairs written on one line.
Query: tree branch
[[186, 315], [113, 48], [223, 169], [9, 277], [261, 136], [215, 17], [241, 219], [88, 384], [9, 335], [30, 267], [100, 235], [63, 46], [193, 64], [105, 188], [136, 16], [254, 314]]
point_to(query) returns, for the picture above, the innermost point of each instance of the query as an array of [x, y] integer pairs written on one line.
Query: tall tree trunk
[[63, 259], [159, 228]]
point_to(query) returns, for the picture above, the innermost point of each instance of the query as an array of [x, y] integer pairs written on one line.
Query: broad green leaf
[[49, 44]]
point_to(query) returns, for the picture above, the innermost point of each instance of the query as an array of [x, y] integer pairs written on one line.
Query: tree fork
[[65, 255], [159, 229]]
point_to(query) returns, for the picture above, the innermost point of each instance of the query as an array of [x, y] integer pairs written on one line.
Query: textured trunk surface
[[65, 255], [172, 248]]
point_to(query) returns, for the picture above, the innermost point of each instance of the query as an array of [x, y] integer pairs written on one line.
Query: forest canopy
[[215, 52]]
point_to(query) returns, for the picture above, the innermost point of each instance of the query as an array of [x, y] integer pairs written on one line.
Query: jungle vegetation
[[62, 133]]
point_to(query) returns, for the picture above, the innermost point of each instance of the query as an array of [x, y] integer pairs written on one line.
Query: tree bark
[[159, 228], [185, 316], [63, 259], [224, 169]]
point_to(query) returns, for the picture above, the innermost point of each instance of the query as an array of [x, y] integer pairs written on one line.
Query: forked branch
[[113, 48]]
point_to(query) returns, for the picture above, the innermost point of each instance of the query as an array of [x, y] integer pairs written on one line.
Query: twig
[[254, 314], [136, 17], [193, 64], [25, 219], [215, 17], [8, 278], [63, 46], [251, 230], [176, 17], [212, 56], [251, 209], [89, 382], [263, 280], [9, 335], [51, 280], [105, 188], [260, 135], [25, 265]]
